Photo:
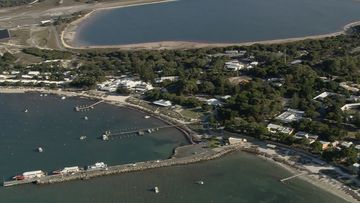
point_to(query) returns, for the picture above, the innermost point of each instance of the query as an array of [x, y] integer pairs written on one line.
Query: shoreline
[[69, 32], [68, 35], [115, 100], [322, 182], [312, 178]]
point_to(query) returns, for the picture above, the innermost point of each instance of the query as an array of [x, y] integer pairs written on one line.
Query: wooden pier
[[88, 107], [291, 177], [131, 132]]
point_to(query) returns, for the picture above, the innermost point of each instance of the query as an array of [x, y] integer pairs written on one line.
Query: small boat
[[106, 136], [82, 137], [156, 189], [200, 182], [149, 130], [45, 95], [41, 95], [141, 132], [63, 98], [19, 177], [86, 118], [39, 149], [26, 110], [147, 117]]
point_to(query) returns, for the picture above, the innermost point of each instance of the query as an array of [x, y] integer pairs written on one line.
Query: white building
[[273, 128], [111, 85], [350, 106], [33, 73], [214, 102], [234, 65], [290, 115], [27, 76], [346, 144], [169, 78], [234, 140], [305, 135], [324, 95], [163, 103]]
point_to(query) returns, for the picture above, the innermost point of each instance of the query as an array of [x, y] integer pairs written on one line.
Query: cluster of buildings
[[288, 116], [353, 100], [128, 83], [236, 65], [33, 77]]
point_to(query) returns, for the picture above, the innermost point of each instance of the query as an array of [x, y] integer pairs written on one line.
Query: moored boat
[[156, 189], [29, 175], [97, 166]]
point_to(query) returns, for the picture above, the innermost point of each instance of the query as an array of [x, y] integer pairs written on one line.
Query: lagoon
[[216, 21]]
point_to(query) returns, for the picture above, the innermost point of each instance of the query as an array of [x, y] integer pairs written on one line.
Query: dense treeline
[[48, 54]]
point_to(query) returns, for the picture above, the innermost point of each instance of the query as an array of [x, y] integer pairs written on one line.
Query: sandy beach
[[311, 173], [67, 36]]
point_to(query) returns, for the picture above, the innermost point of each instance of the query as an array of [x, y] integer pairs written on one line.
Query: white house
[[273, 128], [346, 144], [350, 106], [302, 135], [290, 115], [214, 102], [233, 140], [234, 65], [162, 103]]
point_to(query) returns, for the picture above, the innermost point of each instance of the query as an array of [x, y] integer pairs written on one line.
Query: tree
[[123, 91], [316, 147]]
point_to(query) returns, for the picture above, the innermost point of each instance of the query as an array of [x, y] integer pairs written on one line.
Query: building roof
[[214, 102], [163, 103], [290, 115], [278, 128]]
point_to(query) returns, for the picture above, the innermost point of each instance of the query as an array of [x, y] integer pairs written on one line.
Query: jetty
[[206, 154], [293, 176], [138, 131], [88, 107]]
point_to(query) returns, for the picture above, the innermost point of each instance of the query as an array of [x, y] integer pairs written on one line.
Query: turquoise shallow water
[[217, 21], [52, 124]]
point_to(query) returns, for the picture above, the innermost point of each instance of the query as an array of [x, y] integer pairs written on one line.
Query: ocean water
[[213, 21], [236, 178], [52, 124]]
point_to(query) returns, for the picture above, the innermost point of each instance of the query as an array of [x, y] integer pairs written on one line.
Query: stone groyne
[[140, 166]]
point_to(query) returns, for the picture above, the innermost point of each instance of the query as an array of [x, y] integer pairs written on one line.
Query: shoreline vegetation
[[310, 175], [68, 35]]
